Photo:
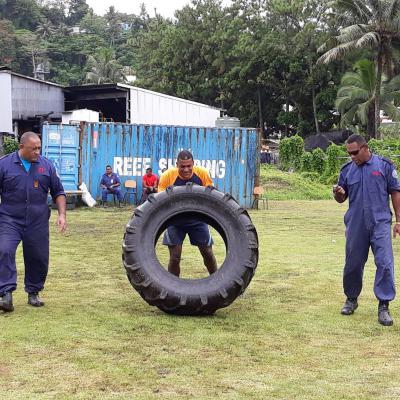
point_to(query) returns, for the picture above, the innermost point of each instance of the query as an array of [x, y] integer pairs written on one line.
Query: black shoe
[[6, 302], [384, 317], [34, 300], [349, 306]]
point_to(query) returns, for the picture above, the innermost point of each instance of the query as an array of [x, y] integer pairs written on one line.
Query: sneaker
[[349, 306]]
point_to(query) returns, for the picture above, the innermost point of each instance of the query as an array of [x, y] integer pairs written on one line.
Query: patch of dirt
[[276, 183]]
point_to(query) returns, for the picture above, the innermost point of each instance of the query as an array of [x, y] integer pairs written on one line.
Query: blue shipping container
[[229, 154]]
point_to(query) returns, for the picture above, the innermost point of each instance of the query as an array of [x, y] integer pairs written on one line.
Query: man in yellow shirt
[[199, 234]]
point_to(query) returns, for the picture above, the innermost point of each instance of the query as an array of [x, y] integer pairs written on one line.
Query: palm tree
[[45, 29], [355, 97], [104, 68], [371, 24]]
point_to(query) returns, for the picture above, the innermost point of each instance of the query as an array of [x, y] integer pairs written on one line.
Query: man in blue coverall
[[367, 180], [25, 181], [110, 184]]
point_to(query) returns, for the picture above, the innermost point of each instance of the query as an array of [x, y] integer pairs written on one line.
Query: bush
[[9, 145], [318, 161], [391, 131], [334, 159], [389, 148], [290, 152], [306, 162]]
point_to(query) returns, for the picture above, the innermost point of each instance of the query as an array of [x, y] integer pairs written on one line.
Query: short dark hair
[[149, 169], [27, 135], [108, 166], [360, 140], [184, 155]]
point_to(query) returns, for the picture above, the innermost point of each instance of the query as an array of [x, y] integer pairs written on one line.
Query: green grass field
[[283, 339]]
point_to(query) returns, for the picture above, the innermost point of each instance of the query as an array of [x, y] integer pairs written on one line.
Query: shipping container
[[229, 154]]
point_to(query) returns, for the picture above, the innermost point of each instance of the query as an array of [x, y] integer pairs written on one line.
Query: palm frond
[[393, 10], [337, 52], [370, 39], [354, 7], [392, 111], [349, 117], [363, 111]]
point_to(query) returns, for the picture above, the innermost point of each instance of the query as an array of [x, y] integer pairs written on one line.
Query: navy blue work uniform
[[368, 223], [24, 216], [107, 181]]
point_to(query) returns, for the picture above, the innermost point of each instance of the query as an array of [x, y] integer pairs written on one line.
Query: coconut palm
[[45, 29], [355, 98], [104, 68], [371, 24]]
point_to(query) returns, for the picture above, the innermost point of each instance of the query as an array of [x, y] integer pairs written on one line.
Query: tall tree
[[77, 9], [25, 14], [104, 68], [368, 24], [33, 48], [7, 42], [355, 97]]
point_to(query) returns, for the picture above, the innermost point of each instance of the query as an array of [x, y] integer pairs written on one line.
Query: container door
[[60, 144]]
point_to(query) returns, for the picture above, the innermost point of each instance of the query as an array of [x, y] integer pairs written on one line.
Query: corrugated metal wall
[[31, 97], [229, 154]]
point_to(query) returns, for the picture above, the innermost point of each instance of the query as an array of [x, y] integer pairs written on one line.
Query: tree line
[[294, 66]]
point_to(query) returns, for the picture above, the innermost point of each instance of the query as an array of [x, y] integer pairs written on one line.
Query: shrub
[[334, 159], [9, 145], [290, 152], [318, 161], [306, 162]]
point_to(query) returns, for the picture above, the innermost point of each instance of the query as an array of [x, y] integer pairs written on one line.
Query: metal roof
[[6, 70]]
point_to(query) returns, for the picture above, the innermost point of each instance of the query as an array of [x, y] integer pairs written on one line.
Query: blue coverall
[[24, 216], [368, 223], [107, 181]]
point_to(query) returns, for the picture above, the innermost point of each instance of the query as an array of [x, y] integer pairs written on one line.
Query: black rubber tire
[[190, 296]]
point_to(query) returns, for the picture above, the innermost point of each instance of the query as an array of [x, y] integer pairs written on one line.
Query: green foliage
[[390, 131], [306, 161], [334, 160], [323, 167], [290, 152], [9, 145], [312, 176], [355, 97], [389, 148], [371, 25], [318, 161]]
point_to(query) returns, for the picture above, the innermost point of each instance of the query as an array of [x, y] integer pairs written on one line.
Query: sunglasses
[[355, 152]]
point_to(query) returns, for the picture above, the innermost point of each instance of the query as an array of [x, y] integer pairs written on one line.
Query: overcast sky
[[164, 7]]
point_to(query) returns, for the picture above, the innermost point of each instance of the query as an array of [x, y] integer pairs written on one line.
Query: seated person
[[197, 231], [149, 183], [110, 184]]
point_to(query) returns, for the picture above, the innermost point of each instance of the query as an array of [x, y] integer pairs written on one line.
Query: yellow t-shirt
[[171, 177]]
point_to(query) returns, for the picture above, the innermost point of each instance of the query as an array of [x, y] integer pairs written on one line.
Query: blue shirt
[[368, 187], [107, 181], [24, 194], [26, 164]]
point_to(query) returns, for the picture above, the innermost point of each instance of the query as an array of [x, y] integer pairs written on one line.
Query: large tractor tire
[[175, 295]]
